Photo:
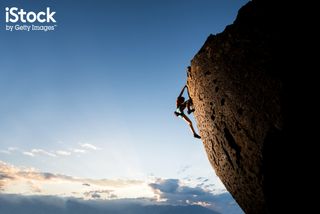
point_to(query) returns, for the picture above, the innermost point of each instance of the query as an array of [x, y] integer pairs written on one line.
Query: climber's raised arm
[[180, 95]]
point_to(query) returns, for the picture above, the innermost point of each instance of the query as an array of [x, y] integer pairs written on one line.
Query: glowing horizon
[[31, 182]]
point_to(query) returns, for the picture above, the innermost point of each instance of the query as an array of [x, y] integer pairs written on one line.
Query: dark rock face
[[237, 90]]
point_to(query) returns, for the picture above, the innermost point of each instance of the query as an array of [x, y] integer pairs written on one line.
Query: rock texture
[[237, 92]]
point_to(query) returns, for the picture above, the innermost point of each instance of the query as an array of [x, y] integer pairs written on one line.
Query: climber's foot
[[190, 111], [197, 136]]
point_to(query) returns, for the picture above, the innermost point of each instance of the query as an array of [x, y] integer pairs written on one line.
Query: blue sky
[[95, 98]]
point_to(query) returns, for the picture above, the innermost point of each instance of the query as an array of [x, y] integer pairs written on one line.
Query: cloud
[[82, 149], [89, 146], [13, 149], [174, 192], [28, 154], [5, 152], [16, 180], [9, 150], [78, 150], [95, 194], [166, 185], [35, 152], [43, 152], [16, 204], [29, 181], [32, 174], [63, 153]]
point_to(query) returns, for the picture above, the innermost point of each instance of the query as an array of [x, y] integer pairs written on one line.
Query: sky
[[93, 100]]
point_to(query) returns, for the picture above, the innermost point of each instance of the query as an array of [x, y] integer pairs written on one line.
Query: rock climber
[[181, 105]]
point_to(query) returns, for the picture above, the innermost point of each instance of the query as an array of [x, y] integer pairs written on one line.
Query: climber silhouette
[[181, 105]]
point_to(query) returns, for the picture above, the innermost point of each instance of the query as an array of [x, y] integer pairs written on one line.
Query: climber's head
[[180, 100]]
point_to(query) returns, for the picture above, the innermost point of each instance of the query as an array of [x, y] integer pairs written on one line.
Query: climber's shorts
[[179, 113]]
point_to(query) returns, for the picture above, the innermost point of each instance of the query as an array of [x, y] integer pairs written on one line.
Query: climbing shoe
[[197, 136], [190, 111]]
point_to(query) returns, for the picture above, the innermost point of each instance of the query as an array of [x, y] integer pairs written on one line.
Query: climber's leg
[[189, 106], [191, 126]]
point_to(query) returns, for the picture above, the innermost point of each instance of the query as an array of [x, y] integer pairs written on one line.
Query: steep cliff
[[237, 90]]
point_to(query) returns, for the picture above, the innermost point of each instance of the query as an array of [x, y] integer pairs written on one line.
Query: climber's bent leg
[[190, 106]]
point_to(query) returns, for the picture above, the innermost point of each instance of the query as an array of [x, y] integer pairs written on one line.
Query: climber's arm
[[182, 91]]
